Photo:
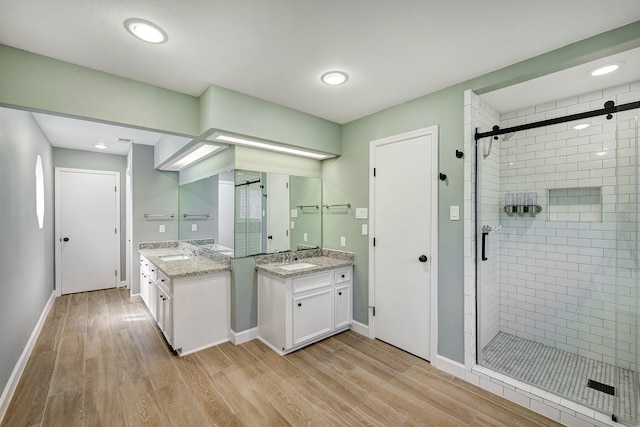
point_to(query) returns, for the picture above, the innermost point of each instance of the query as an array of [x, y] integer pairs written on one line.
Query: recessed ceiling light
[[145, 30], [581, 126], [100, 145], [334, 78], [605, 69]]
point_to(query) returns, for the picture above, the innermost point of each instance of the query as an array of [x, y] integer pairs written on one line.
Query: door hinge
[[115, 189], [116, 273], [374, 241], [373, 310], [287, 232], [115, 230], [374, 172]]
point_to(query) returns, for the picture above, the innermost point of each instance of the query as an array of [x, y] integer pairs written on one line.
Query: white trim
[[58, 236], [243, 336], [360, 328], [449, 366], [18, 370], [194, 350], [123, 284], [432, 130]]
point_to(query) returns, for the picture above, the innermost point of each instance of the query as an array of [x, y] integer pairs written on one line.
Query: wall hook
[[459, 154], [443, 177]]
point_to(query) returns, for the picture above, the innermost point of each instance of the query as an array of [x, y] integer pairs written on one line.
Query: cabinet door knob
[[423, 258], [343, 276], [339, 293], [299, 304]]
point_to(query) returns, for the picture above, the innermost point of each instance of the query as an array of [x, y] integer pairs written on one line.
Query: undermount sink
[[173, 257], [296, 266]]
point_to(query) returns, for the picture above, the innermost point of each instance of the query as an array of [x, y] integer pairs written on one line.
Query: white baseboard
[[123, 284], [449, 366], [10, 388], [243, 336], [360, 328]]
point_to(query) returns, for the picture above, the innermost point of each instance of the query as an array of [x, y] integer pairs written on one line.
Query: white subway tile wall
[[558, 270], [549, 274]]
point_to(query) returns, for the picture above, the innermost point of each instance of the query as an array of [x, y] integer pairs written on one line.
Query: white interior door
[[277, 212], [403, 206], [87, 230]]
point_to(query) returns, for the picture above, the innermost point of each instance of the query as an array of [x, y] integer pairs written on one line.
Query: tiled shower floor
[[562, 373]]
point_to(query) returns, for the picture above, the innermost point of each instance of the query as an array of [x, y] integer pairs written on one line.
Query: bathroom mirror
[[246, 212]]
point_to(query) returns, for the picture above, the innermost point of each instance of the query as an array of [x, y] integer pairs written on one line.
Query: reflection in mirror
[[306, 218], [248, 213], [199, 209], [252, 212]]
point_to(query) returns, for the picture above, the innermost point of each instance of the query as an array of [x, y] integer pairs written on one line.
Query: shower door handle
[[484, 245]]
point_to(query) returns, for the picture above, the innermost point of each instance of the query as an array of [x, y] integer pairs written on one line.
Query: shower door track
[[609, 109]]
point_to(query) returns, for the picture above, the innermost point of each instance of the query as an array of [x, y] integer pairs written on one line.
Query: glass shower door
[[627, 262]]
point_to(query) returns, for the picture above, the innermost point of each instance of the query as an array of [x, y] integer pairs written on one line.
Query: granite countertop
[[193, 266], [322, 263]]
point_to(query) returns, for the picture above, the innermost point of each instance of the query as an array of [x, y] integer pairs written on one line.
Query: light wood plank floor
[[100, 361]]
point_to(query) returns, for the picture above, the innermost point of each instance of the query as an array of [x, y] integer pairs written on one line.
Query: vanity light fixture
[[581, 126], [195, 153], [334, 78], [100, 145], [269, 146], [605, 69], [145, 30]]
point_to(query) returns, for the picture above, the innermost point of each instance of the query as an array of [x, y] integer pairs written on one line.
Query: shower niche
[[583, 204]]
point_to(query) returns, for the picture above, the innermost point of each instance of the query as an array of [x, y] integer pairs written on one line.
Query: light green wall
[[346, 179], [36, 82], [154, 192], [78, 159], [231, 111], [26, 251]]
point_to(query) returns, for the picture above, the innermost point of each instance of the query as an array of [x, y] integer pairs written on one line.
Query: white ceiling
[[567, 83], [277, 49], [78, 134]]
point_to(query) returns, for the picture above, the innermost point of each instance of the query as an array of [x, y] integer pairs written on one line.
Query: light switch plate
[[343, 241], [305, 237], [162, 228], [294, 213], [365, 229], [194, 227], [361, 213], [454, 213]]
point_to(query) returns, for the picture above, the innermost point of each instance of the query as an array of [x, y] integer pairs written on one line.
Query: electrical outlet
[[365, 229], [194, 227], [305, 237], [343, 241], [293, 225], [162, 228]]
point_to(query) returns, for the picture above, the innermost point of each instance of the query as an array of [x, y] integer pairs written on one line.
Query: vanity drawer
[[165, 283], [343, 275], [312, 281]]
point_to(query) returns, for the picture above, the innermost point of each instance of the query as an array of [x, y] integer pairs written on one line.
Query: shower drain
[[602, 387]]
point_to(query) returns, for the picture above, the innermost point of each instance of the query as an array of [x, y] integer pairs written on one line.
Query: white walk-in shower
[[557, 236]]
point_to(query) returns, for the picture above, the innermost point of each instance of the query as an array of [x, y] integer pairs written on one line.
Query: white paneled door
[[277, 213], [403, 213], [87, 230]]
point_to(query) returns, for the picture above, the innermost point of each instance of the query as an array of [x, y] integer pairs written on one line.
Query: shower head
[[507, 136]]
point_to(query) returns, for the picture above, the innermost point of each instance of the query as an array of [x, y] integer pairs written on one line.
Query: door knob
[[66, 239], [422, 258]]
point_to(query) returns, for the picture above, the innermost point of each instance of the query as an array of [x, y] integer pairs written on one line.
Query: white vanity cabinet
[[297, 311], [193, 311]]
